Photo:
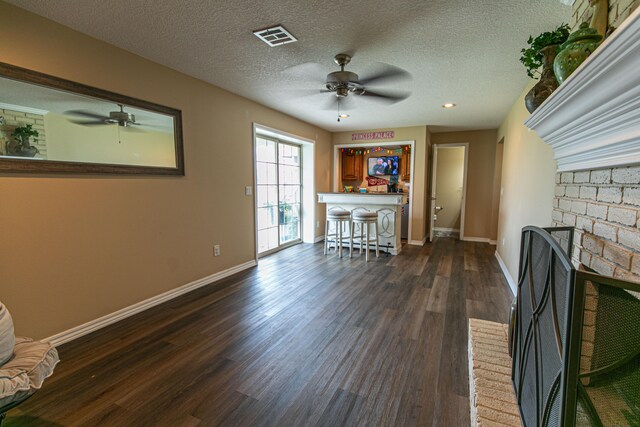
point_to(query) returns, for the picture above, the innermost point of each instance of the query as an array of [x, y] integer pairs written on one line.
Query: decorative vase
[[575, 50], [29, 151], [548, 82]]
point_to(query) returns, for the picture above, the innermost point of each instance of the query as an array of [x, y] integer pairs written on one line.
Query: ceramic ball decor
[[575, 50]]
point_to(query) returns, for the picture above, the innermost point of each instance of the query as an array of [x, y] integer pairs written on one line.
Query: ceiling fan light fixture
[[448, 105]]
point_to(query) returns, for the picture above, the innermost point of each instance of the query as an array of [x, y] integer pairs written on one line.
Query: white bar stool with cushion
[[340, 218], [364, 219]]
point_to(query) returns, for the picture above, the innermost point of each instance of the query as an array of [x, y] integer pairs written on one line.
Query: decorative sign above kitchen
[[368, 136]]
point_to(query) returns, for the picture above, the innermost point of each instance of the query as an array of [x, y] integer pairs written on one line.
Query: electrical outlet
[[216, 250], [317, 224]]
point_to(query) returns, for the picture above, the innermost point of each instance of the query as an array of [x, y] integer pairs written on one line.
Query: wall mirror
[[48, 124]]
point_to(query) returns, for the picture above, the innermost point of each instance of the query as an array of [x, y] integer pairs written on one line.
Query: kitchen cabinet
[[405, 167], [351, 167]]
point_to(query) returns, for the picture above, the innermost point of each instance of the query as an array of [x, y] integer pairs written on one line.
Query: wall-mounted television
[[381, 166]]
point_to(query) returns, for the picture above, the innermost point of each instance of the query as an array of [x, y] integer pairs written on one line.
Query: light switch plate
[[248, 190]]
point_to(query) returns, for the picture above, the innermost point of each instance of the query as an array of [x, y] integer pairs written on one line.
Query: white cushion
[[24, 374], [338, 214], [365, 215], [7, 337]]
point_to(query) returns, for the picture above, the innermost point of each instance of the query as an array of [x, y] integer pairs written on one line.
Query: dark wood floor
[[303, 339]]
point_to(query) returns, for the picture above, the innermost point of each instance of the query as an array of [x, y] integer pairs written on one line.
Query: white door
[[444, 175]]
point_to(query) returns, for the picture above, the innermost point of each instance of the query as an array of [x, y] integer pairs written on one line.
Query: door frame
[[337, 175], [432, 199], [307, 185]]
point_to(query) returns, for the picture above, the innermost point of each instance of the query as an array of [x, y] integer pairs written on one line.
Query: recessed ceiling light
[[448, 105], [344, 116]]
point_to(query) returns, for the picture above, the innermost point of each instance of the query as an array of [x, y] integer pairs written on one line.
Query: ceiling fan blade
[[90, 123], [85, 113], [309, 71], [386, 74], [388, 97]]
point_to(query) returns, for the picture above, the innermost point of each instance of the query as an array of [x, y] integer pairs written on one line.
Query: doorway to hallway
[[448, 191]]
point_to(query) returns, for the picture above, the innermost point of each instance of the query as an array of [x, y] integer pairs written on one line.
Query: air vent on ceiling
[[275, 36]]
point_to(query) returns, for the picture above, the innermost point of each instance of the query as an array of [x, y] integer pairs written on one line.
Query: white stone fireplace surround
[[592, 122]]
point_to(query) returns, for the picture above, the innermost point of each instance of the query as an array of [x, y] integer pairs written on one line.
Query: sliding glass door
[[278, 191]]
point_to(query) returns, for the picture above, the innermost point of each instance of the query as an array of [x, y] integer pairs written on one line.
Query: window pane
[[273, 237], [272, 178], [289, 232], [273, 195], [267, 218], [289, 154], [295, 213], [289, 194], [261, 173], [265, 150], [288, 213], [263, 240], [262, 196]]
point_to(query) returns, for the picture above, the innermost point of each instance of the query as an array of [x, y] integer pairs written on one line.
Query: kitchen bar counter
[[388, 205]]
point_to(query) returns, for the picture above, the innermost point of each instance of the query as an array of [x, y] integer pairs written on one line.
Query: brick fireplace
[[592, 123], [604, 206]]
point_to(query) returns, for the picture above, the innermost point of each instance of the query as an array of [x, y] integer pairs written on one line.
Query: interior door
[[432, 204]]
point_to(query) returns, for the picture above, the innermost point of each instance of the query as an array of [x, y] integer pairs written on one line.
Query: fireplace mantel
[[593, 119]]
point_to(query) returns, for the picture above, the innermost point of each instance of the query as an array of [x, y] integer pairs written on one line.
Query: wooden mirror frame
[[55, 166]]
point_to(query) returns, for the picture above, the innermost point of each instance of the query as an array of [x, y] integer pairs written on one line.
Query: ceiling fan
[[344, 83], [121, 118], [341, 84]]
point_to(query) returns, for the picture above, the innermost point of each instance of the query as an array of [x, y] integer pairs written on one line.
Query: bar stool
[[364, 220], [339, 218]]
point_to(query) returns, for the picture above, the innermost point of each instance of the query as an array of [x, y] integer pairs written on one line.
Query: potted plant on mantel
[[541, 52], [21, 144]]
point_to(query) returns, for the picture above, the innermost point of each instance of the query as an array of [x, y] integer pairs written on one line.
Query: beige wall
[[480, 178], [421, 136], [449, 186], [497, 183], [101, 243], [528, 180], [107, 144]]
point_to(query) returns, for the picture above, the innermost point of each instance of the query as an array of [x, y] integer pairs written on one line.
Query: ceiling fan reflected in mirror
[[121, 118], [344, 83]]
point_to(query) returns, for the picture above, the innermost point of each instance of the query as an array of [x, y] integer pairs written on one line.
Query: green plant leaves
[[531, 57]]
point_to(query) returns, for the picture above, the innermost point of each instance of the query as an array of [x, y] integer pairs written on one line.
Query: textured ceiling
[[461, 51]]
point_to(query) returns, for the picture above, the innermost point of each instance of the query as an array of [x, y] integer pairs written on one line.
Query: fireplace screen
[[576, 349]]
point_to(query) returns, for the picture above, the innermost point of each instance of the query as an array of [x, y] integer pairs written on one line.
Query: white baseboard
[[476, 239], [505, 271], [480, 240], [418, 242], [319, 239], [109, 319], [446, 230]]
